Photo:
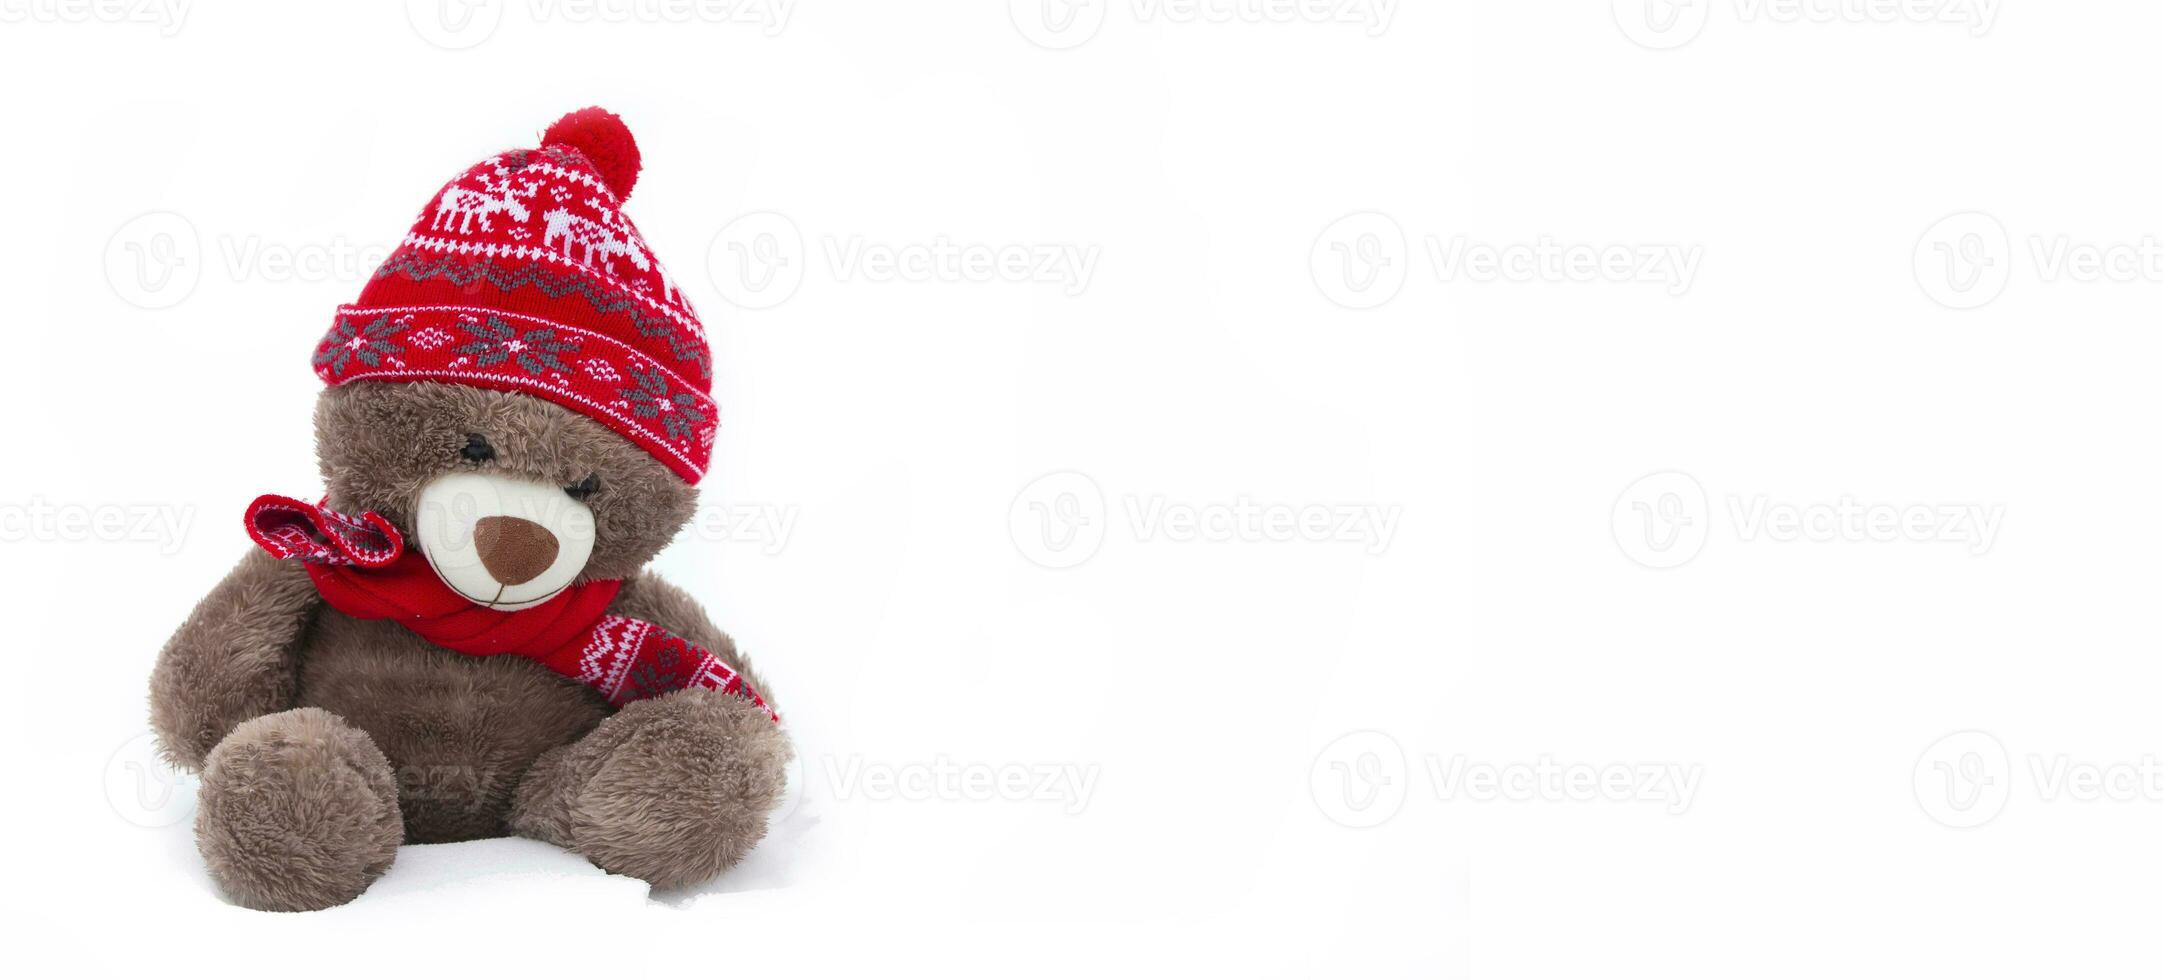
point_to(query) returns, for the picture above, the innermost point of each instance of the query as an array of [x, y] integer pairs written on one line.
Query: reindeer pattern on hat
[[584, 225], [593, 237], [462, 206]]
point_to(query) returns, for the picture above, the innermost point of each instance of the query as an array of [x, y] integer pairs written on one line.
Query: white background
[[1790, 619]]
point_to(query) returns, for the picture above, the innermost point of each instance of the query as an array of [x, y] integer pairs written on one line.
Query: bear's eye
[[584, 488], [477, 448]]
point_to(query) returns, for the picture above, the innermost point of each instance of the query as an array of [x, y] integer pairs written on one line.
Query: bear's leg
[[298, 810], [672, 789]]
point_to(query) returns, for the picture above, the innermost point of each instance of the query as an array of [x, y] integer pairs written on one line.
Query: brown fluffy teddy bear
[[457, 641]]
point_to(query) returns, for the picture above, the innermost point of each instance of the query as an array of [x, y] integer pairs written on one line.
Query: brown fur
[[234, 658], [297, 810], [673, 790], [460, 731]]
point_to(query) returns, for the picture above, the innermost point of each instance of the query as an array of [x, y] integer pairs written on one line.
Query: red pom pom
[[606, 143]]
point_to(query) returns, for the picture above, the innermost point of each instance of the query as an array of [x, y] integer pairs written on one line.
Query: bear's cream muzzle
[[502, 542]]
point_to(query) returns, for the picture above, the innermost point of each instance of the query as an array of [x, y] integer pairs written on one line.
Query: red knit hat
[[524, 275]]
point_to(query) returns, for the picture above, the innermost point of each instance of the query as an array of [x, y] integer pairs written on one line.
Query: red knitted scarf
[[361, 568]]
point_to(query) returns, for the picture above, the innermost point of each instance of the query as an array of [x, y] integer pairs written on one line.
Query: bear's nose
[[514, 550]]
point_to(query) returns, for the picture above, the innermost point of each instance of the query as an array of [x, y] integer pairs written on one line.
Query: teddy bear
[[458, 639]]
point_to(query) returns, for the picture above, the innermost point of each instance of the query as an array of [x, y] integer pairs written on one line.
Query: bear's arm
[[234, 659], [650, 597]]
